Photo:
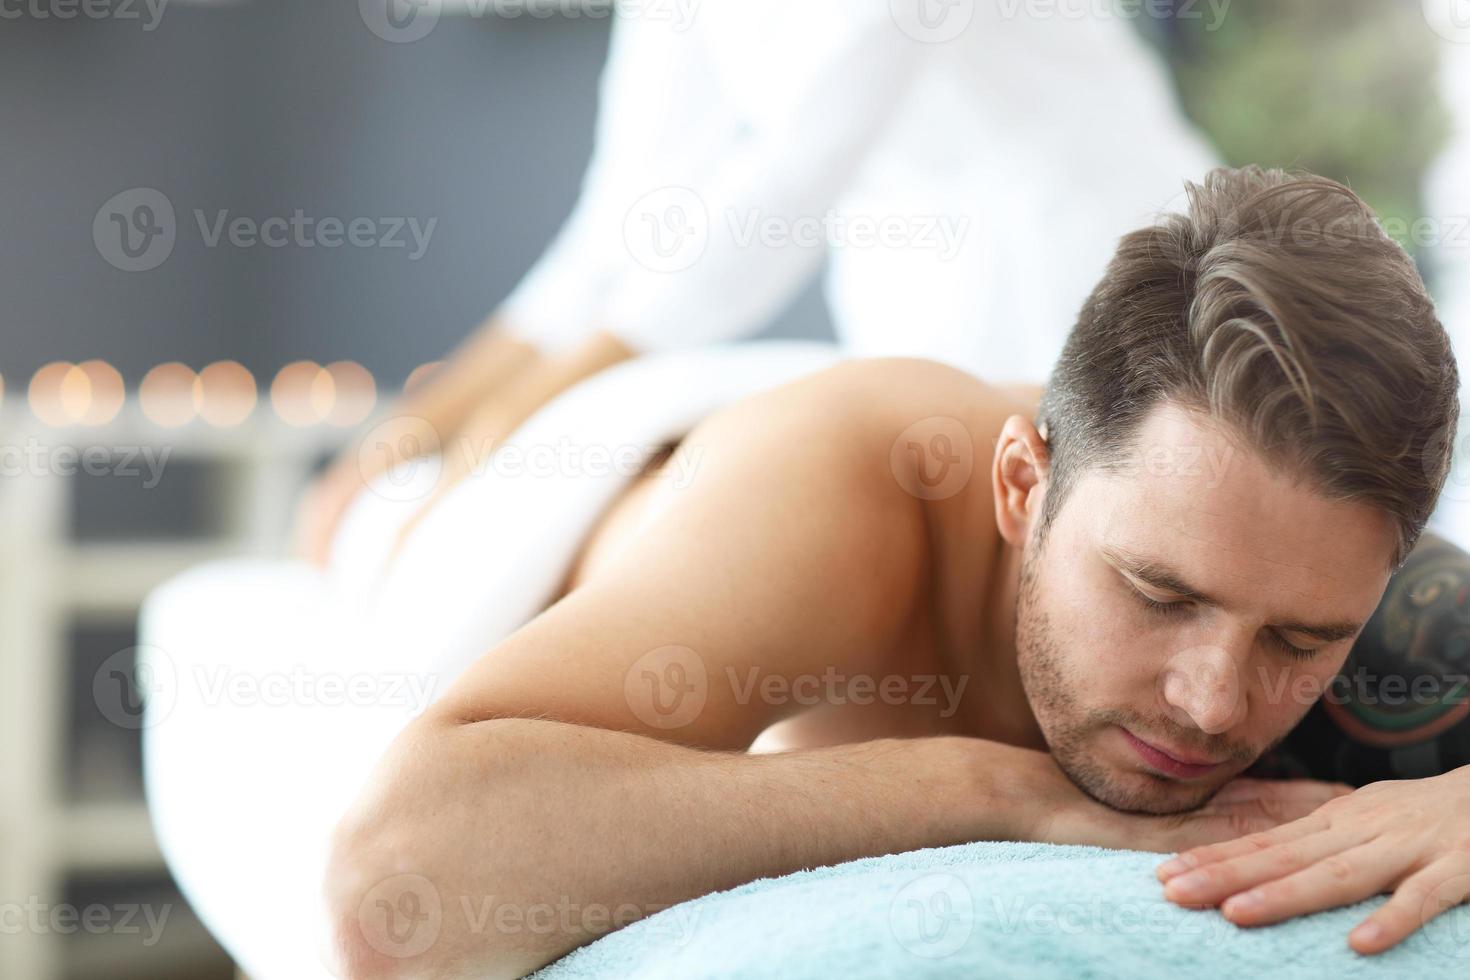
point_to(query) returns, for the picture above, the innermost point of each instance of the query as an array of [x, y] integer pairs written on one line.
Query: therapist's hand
[[487, 363], [466, 453], [320, 510], [468, 449], [1409, 837], [319, 513]]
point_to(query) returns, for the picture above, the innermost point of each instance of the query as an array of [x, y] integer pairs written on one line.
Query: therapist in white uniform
[[963, 169]]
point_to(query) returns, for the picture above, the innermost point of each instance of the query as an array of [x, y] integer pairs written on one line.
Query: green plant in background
[[1344, 88]]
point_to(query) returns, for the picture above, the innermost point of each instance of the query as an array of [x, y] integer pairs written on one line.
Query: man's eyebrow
[[1326, 632], [1157, 574], [1161, 576]]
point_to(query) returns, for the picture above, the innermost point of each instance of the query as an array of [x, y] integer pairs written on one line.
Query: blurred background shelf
[[113, 578], [81, 554], [107, 837]]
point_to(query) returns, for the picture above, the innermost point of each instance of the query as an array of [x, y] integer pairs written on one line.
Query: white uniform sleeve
[[656, 99], [714, 259]]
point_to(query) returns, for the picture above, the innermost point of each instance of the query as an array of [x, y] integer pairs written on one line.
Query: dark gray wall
[[263, 107]]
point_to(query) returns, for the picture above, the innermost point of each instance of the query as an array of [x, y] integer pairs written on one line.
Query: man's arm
[[492, 848], [527, 838]]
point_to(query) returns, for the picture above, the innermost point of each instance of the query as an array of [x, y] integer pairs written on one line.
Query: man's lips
[[1166, 761]]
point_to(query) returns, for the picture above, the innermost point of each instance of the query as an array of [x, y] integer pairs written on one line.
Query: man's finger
[[1418, 899], [1338, 879], [1265, 833], [1213, 883]]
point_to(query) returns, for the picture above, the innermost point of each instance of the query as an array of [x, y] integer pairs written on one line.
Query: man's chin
[[1134, 791]]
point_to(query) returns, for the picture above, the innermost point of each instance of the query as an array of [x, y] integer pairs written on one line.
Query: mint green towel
[[988, 911]]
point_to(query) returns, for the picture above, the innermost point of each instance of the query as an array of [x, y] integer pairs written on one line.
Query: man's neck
[[1007, 711]]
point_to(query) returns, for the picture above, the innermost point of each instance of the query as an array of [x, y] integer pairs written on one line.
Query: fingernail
[[1187, 884], [1367, 934], [1246, 902], [1174, 865]]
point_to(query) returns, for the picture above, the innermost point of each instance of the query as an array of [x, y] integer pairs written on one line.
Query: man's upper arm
[[791, 558]]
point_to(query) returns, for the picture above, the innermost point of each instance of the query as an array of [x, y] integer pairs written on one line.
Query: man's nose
[[1202, 686]]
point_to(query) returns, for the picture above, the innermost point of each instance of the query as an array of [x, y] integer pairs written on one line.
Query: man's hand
[[1063, 814], [1408, 837]]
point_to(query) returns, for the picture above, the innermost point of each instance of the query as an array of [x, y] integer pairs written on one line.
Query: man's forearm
[[533, 837]]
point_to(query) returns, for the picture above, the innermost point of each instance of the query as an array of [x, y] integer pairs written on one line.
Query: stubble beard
[[1071, 730]]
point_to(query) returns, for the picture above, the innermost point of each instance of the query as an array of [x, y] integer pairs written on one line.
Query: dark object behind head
[[1277, 304]]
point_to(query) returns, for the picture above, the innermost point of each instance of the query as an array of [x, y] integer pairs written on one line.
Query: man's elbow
[[397, 881], [378, 928]]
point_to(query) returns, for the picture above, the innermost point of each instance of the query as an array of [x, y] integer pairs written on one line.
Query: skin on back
[[803, 566]]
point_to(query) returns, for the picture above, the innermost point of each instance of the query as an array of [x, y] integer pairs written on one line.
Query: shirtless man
[[940, 611]]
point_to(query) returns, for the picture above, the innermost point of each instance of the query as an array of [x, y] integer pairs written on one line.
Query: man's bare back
[[936, 683]]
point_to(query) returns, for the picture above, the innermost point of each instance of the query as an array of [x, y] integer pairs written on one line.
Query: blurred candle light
[[302, 393], [75, 394], [322, 394], [354, 393], [45, 393], [104, 391], [224, 393], [167, 395], [420, 375]]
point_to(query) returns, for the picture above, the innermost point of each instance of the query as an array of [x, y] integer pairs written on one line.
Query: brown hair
[[1278, 305]]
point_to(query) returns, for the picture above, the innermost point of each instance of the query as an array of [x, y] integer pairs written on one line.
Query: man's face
[[1244, 566]]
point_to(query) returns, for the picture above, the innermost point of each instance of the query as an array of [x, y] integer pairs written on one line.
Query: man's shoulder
[[886, 390], [905, 373], [883, 403], [871, 443]]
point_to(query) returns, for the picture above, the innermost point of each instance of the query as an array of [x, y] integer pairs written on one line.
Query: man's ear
[[1018, 476]]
